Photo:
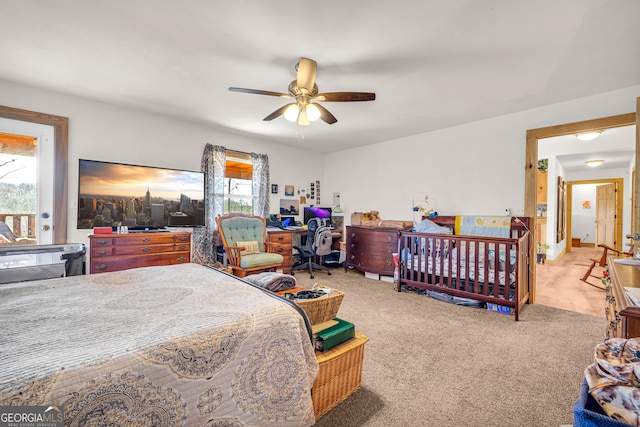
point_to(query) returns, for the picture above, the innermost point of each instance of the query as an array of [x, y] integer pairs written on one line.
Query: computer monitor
[[317, 212]]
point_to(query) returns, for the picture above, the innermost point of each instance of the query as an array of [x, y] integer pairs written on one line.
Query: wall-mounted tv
[[119, 194]]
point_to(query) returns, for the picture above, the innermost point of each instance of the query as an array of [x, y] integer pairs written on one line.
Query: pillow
[[249, 247], [427, 226]]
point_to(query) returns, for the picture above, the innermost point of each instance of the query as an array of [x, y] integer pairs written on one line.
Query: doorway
[[60, 126], [26, 182], [531, 164], [582, 214]]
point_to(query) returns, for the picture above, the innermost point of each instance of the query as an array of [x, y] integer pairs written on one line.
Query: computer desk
[[288, 238]]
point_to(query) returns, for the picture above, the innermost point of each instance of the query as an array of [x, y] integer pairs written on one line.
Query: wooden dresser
[[113, 252], [370, 249], [285, 238], [623, 319]]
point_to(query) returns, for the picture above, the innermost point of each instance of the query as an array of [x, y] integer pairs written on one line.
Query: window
[[238, 183]]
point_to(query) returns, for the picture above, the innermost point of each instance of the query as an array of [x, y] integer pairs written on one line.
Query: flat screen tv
[[139, 197]]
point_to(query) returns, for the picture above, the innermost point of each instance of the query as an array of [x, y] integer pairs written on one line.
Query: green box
[[335, 335]]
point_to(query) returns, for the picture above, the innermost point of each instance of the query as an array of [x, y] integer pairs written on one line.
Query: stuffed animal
[[373, 216]]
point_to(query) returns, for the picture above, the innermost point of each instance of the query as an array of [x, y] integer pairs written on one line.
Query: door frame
[[619, 183], [531, 167], [60, 167]]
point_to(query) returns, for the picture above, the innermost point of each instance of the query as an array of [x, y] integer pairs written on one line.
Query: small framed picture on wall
[[274, 188], [288, 190]]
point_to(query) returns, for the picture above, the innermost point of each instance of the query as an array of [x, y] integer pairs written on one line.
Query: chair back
[[236, 228], [319, 238]]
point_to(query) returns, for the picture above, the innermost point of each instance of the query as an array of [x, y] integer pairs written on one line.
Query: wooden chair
[[244, 238], [602, 262]]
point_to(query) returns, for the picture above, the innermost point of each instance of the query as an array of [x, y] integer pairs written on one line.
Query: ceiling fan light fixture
[[303, 120], [313, 112], [588, 136], [594, 163], [291, 113]]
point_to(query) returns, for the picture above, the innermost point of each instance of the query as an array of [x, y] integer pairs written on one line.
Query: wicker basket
[[322, 309], [340, 374]]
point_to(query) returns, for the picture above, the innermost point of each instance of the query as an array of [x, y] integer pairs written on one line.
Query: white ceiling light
[[291, 113], [594, 163], [313, 112], [588, 136]]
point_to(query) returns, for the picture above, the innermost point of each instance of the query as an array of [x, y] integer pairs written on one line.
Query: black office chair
[[312, 248]]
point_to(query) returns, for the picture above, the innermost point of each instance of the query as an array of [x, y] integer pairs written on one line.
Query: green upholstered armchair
[[244, 238]]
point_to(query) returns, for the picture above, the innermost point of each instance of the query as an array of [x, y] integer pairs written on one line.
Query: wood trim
[[61, 132], [531, 163], [584, 126]]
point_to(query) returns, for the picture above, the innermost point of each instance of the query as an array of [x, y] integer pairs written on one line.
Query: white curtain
[[206, 239], [260, 182]]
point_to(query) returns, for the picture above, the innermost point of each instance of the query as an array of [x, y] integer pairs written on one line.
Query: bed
[[175, 345], [487, 269]]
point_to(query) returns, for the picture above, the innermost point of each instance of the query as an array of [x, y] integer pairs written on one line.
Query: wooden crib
[[492, 270]]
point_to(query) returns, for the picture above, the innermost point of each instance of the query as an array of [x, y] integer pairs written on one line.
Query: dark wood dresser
[[370, 249], [114, 252], [623, 319]]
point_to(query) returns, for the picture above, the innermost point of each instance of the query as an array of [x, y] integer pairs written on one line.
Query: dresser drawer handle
[[182, 259], [103, 242], [183, 238], [146, 240], [353, 257], [353, 245], [280, 238], [182, 247], [281, 250], [102, 267], [103, 252], [146, 249]]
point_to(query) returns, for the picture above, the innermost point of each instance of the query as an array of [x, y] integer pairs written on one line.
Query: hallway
[[558, 284]]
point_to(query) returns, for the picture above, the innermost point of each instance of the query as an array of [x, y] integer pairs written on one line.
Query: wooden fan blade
[[280, 111], [260, 92], [325, 115], [306, 74], [345, 96]]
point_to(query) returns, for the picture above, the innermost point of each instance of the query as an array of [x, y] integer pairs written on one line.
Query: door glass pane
[[18, 185]]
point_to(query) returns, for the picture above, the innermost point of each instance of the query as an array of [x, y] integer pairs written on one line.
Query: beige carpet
[[430, 363]]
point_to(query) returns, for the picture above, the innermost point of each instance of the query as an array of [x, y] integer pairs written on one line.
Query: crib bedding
[[158, 346], [441, 267]]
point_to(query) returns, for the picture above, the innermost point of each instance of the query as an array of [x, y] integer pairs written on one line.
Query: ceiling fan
[[305, 91]]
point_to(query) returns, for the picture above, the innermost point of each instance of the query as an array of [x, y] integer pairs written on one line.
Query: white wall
[[476, 168], [99, 131]]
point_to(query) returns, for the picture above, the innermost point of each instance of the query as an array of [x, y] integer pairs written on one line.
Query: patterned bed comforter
[[157, 346]]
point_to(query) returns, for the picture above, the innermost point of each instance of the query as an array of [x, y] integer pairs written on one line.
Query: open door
[[606, 202]]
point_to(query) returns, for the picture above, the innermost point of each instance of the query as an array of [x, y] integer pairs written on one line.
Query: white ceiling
[[432, 63], [615, 146]]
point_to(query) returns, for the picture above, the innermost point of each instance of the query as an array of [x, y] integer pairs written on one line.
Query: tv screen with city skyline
[[119, 194]]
